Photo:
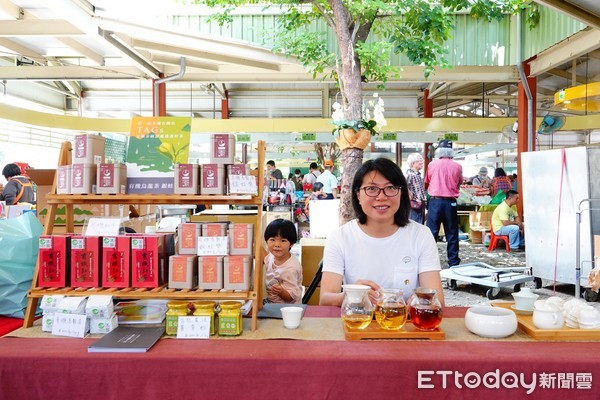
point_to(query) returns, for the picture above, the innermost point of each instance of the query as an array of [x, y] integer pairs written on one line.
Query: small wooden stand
[[408, 331], [68, 200]]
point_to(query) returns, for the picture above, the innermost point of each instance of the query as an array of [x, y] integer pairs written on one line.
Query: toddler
[[283, 271]]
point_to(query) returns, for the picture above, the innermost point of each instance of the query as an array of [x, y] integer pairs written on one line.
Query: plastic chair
[[314, 284], [494, 239]]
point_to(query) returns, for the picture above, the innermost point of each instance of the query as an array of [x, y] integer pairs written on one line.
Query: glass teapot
[[391, 311], [425, 309], [357, 309]]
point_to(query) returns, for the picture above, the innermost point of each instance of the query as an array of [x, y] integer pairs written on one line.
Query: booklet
[[127, 339]]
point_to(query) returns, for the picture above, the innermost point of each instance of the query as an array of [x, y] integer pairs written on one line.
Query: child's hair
[[282, 227], [317, 186]]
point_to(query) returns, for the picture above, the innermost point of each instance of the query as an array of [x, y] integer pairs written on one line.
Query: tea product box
[[236, 272], [210, 272], [147, 261], [86, 261], [187, 237], [241, 239], [88, 149], [47, 321], [222, 148], [213, 229], [183, 272], [238, 169], [186, 179], [104, 324], [72, 305], [63, 179], [83, 178], [99, 306], [116, 261], [54, 261], [111, 178], [49, 303], [212, 179]]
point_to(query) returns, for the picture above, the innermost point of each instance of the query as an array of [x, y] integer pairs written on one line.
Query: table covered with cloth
[[462, 366]]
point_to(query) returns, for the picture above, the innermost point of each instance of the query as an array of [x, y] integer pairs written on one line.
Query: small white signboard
[[73, 325], [103, 227], [242, 184], [213, 246], [193, 327]]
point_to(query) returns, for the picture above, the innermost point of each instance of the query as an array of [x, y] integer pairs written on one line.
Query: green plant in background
[[417, 28]]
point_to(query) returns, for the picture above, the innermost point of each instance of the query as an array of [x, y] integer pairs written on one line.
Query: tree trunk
[[351, 89]]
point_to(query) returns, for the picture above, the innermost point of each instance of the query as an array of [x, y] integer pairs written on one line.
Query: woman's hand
[[374, 292]]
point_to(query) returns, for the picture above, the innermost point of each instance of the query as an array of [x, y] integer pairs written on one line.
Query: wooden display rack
[[162, 292]]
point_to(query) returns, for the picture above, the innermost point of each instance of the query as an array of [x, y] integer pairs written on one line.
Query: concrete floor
[[470, 294]]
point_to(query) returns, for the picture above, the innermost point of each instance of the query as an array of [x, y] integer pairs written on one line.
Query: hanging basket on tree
[[349, 138]]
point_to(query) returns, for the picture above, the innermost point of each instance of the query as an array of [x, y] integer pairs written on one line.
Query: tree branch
[[328, 18]]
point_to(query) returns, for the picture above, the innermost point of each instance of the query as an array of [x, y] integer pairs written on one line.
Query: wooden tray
[[408, 331], [565, 333]]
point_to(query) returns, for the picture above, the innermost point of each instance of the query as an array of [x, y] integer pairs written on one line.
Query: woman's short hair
[[11, 170], [413, 158], [391, 172], [283, 228]]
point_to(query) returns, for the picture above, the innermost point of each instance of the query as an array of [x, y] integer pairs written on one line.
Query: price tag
[[213, 246], [242, 184], [193, 327], [73, 325], [103, 227]]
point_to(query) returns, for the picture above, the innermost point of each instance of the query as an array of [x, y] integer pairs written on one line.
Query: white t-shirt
[[311, 177], [328, 180], [288, 274], [392, 262]]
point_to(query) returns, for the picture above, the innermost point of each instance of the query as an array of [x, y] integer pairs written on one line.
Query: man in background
[[312, 175], [329, 181], [442, 181], [506, 221], [274, 173]]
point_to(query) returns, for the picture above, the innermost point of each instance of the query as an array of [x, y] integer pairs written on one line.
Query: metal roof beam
[[37, 73], [38, 27]]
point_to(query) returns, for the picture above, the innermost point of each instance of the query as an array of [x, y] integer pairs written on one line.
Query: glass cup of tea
[[390, 310], [425, 309]]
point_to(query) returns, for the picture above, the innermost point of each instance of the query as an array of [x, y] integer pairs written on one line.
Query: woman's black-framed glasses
[[373, 191]]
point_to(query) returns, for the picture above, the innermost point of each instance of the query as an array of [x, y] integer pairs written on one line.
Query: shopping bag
[[19, 242]]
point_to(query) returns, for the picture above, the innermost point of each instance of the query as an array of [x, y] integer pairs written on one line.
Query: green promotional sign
[[451, 136], [309, 137], [389, 137], [242, 138]]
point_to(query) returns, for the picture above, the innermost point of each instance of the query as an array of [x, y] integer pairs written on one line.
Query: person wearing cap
[[329, 181], [482, 179], [442, 181]]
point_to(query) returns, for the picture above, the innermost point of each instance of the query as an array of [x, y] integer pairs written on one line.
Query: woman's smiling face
[[380, 208]]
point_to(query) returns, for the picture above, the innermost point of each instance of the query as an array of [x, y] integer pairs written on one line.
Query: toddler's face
[[278, 246]]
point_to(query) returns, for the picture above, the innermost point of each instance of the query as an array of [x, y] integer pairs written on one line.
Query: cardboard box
[[83, 178], [210, 272], [186, 179], [86, 261], [111, 179], [222, 148], [480, 219], [187, 237], [236, 272], [53, 259], [116, 261], [183, 272], [478, 234], [241, 239], [88, 149]]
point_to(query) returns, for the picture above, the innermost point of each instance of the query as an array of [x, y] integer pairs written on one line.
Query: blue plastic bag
[[19, 243]]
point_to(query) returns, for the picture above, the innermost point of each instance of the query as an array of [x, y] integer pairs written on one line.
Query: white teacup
[[291, 316], [547, 315]]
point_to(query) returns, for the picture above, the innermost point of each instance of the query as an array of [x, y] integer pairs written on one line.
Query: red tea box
[[53, 259], [183, 273], [212, 229], [111, 178], [210, 272], [83, 178], [63, 179], [88, 149], [147, 261], [85, 261], [212, 179], [187, 238], [186, 179], [241, 239], [236, 272], [222, 148], [116, 261]]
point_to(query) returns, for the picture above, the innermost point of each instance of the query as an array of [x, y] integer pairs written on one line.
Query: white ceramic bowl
[[491, 322], [524, 299]]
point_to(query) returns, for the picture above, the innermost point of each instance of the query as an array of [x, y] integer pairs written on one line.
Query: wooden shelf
[[68, 200]]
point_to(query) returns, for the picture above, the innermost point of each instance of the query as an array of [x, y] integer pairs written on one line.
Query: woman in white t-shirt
[[382, 248]]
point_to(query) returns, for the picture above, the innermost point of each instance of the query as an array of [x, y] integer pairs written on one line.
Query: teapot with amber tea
[[425, 309], [390, 310], [357, 309]]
